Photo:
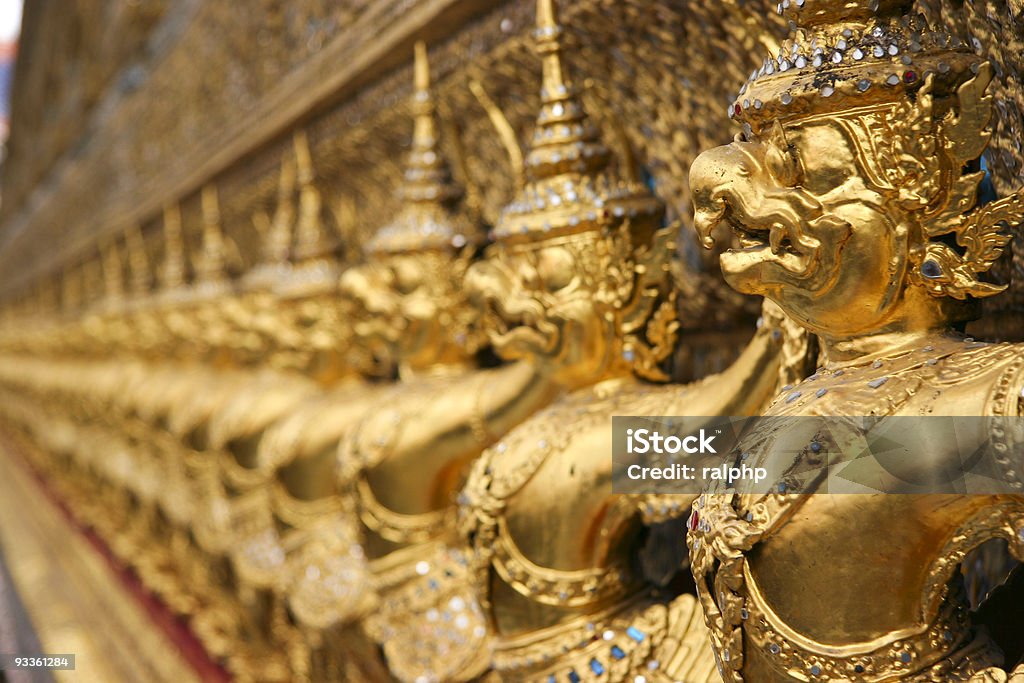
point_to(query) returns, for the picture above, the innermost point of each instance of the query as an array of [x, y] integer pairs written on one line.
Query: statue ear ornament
[[644, 299], [958, 139]]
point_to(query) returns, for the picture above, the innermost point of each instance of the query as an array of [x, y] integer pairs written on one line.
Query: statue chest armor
[[538, 513], [404, 461], [900, 615], [552, 549]]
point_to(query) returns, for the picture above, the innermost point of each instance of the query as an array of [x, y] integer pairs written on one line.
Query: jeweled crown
[[309, 266], [425, 221], [568, 187], [843, 55]]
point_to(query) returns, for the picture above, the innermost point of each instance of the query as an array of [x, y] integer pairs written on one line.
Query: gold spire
[[568, 188], [426, 173], [138, 263], [275, 233], [277, 241], [172, 272], [312, 239], [565, 139], [71, 286], [93, 284], [211, 261], [425, 221], [113, 274]]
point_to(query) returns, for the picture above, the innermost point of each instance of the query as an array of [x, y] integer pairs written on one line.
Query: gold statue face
[[410, 309], [588, 306], [861, 221], [539, 299], [808, 223]]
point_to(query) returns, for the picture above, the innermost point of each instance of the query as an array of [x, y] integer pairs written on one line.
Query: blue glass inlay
[[986, 190], [596, 667], [574, 677], [635, 633], [617, 652]]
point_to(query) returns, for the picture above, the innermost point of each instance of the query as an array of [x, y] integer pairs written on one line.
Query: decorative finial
[[312, 240], [172, 274], [568, 188], [565, 138], [277, 240], [138, 263], [425, 130], [211, 265], [425, 222], [94, 286], [71, 290], [548, 34], [113, 274]]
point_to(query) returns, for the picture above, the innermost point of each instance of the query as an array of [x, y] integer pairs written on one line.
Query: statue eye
[[556, 268], [406, 277]]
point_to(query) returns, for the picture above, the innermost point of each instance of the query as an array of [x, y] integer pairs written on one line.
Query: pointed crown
[[277, 238], [113, 273], [138, 262], [275, 233], [425, 221], [313, 239], [211, 263], [568, 187], [172, 271], [842, 55]]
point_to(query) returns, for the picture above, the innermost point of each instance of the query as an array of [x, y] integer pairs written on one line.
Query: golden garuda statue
[[853, 193], [335, 522], [542, 582]]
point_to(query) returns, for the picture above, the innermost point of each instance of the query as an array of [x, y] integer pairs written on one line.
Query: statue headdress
[[912, 99], [314, 266], [275, 233], [425, 221], [113, 275], [138, 262], [172, 270], [212, 262], [313, 239], [568, 187]]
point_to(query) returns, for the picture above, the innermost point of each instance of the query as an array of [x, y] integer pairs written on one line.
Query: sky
[[10, 26], [10, 19]]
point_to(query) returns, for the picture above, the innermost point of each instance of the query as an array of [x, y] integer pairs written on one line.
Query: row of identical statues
[[329, 476]]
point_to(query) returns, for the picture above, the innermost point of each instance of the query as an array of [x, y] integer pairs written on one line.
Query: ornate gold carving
[[853, 189]]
